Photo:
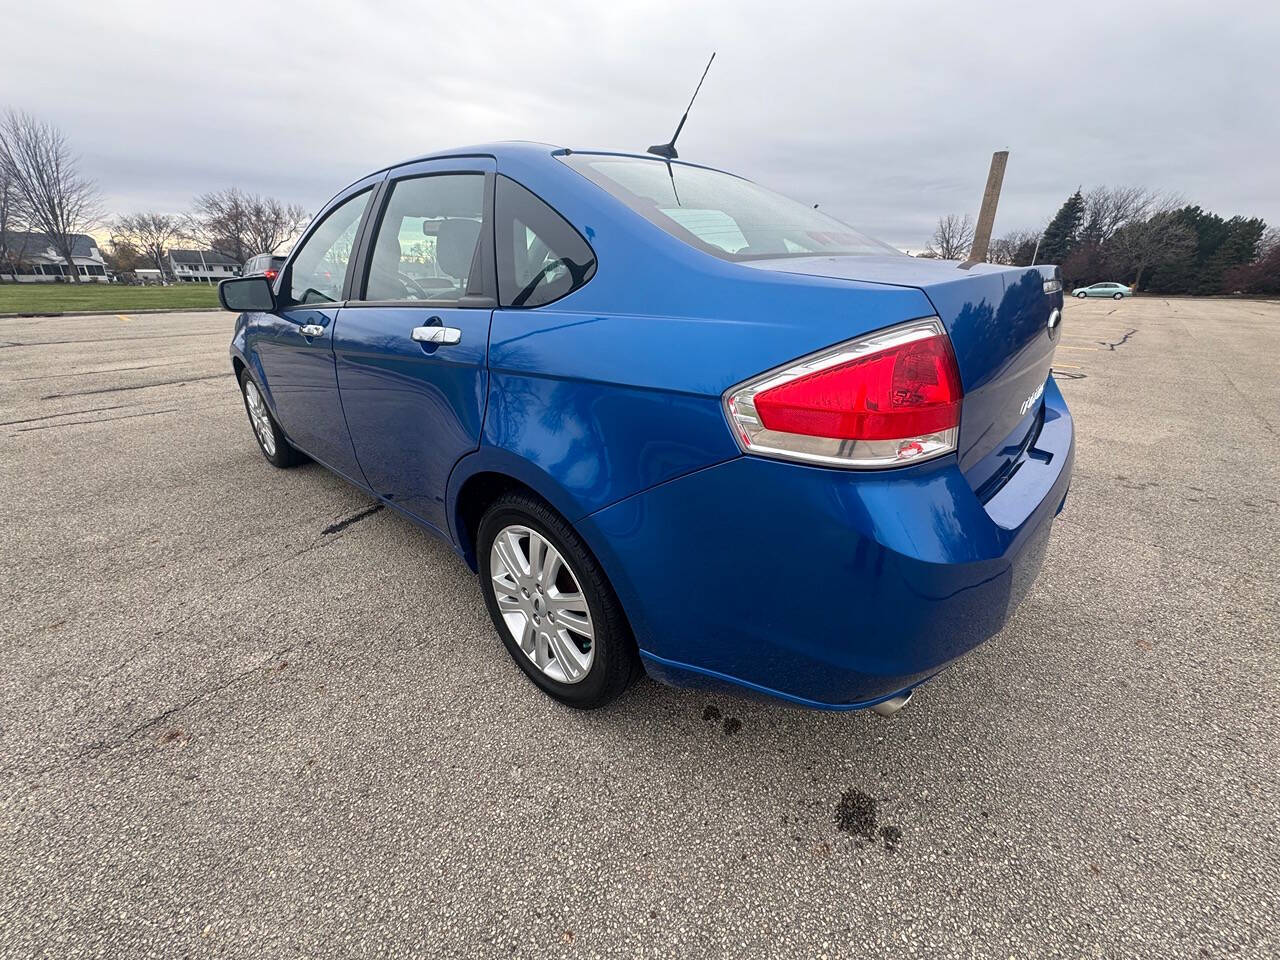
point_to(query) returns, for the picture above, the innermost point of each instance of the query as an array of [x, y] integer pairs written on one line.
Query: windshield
[[721, 214]]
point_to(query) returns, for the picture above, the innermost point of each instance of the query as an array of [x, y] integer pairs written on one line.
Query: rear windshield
[[721, 214]]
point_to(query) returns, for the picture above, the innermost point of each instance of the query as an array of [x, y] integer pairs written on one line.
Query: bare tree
[[220, 221], [952, 238], [242, 225], [56, 198], [1269, 241], [272, 223], [122, 256], [1015, 248], [152, 234], [13, 236], [1107, 209], [1144, 244]]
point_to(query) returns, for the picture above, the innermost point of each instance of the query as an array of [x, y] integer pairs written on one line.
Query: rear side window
[[541, 257]]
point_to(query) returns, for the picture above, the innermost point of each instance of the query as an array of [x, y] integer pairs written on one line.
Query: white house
[[201, 266], [32, 259]]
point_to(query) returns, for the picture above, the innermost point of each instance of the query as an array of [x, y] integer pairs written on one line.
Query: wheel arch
[[241, 360], [484, 482], [484, 476]]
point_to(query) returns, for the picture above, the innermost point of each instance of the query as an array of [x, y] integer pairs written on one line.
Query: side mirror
[[247, 293]]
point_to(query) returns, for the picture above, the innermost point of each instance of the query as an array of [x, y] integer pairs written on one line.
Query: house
[[32, 259], [201, 266]]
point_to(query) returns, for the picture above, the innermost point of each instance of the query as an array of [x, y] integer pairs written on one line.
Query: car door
[[1100, 290], [411, 348], [294, 346]]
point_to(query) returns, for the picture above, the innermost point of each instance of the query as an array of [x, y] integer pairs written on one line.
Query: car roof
[[514, 150], [530, 150]]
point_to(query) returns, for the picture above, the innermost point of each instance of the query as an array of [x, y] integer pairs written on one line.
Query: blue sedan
[[677, 423]]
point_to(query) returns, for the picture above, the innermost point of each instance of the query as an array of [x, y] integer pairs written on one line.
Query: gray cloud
[[886, 114]]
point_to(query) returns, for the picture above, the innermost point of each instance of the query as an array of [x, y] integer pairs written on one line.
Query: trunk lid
[[998, 321]]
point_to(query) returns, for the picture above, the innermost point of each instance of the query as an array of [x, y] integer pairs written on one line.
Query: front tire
[[552, 604], [1081, 296], [271, 439]]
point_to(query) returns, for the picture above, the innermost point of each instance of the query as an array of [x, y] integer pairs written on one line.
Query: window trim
[[482, 285], [505, 228]]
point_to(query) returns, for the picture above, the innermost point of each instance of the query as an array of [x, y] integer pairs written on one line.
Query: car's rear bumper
[[829, 588]]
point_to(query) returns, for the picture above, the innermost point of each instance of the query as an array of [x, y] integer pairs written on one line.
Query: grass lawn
[[104, 297]]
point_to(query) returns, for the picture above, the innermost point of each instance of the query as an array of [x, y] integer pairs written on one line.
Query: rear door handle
[[311, 330], [445, 336]]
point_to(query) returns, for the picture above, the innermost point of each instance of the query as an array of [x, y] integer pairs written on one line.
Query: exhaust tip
[[887, 708]]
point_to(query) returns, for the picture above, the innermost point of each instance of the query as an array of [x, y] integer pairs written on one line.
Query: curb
[[111, 313]]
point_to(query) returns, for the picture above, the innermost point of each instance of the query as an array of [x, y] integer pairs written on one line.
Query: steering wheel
[[412, 285]]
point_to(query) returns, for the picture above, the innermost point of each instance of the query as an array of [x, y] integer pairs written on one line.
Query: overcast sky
[[886, 113]]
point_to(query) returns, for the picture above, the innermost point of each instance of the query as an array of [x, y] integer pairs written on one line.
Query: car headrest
[[456, 245]]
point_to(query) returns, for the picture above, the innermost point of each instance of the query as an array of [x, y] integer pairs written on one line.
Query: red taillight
[[881, 400], [270, 274], [894, 394]]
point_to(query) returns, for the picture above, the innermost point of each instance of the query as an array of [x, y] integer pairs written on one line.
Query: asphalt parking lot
[[233, 723]]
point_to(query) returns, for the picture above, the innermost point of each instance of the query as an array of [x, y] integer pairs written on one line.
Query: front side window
[[541, 257], [721, 214], [428, 239], [320, 268]]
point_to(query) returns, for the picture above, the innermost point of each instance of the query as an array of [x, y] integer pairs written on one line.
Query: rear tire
[[1118, 296], [271, 439], [546, 593]]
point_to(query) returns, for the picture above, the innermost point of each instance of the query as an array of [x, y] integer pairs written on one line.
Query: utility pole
[[987, 215]]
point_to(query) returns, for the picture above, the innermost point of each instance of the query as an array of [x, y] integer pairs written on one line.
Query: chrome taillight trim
[[754, 438]]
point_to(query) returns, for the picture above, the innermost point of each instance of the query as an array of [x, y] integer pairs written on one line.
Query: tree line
[[43, 191], [1154, 242], [231, 222]]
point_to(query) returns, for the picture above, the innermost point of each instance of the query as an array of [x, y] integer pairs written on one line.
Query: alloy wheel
[[542, 604], [259, 417]]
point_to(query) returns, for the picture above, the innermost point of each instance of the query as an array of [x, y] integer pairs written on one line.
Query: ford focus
[[676, 423]]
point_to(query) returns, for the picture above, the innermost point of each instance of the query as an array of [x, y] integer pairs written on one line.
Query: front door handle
[[445, 336], [311, 330]]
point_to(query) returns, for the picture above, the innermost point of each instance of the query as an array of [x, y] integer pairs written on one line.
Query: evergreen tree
[[1061, 233], [1220, 246]]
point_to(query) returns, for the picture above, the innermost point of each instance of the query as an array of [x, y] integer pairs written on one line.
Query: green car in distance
[[1117, 291]]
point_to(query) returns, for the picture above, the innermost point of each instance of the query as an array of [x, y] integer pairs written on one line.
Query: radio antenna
[[668, 150]]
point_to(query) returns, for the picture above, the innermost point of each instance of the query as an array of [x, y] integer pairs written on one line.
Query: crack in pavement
[[73, 423], [138, 386], [354, 518], [102, 747], [1120, 342], [210, 597], [69, 413], [165, 336], [94, 373]]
